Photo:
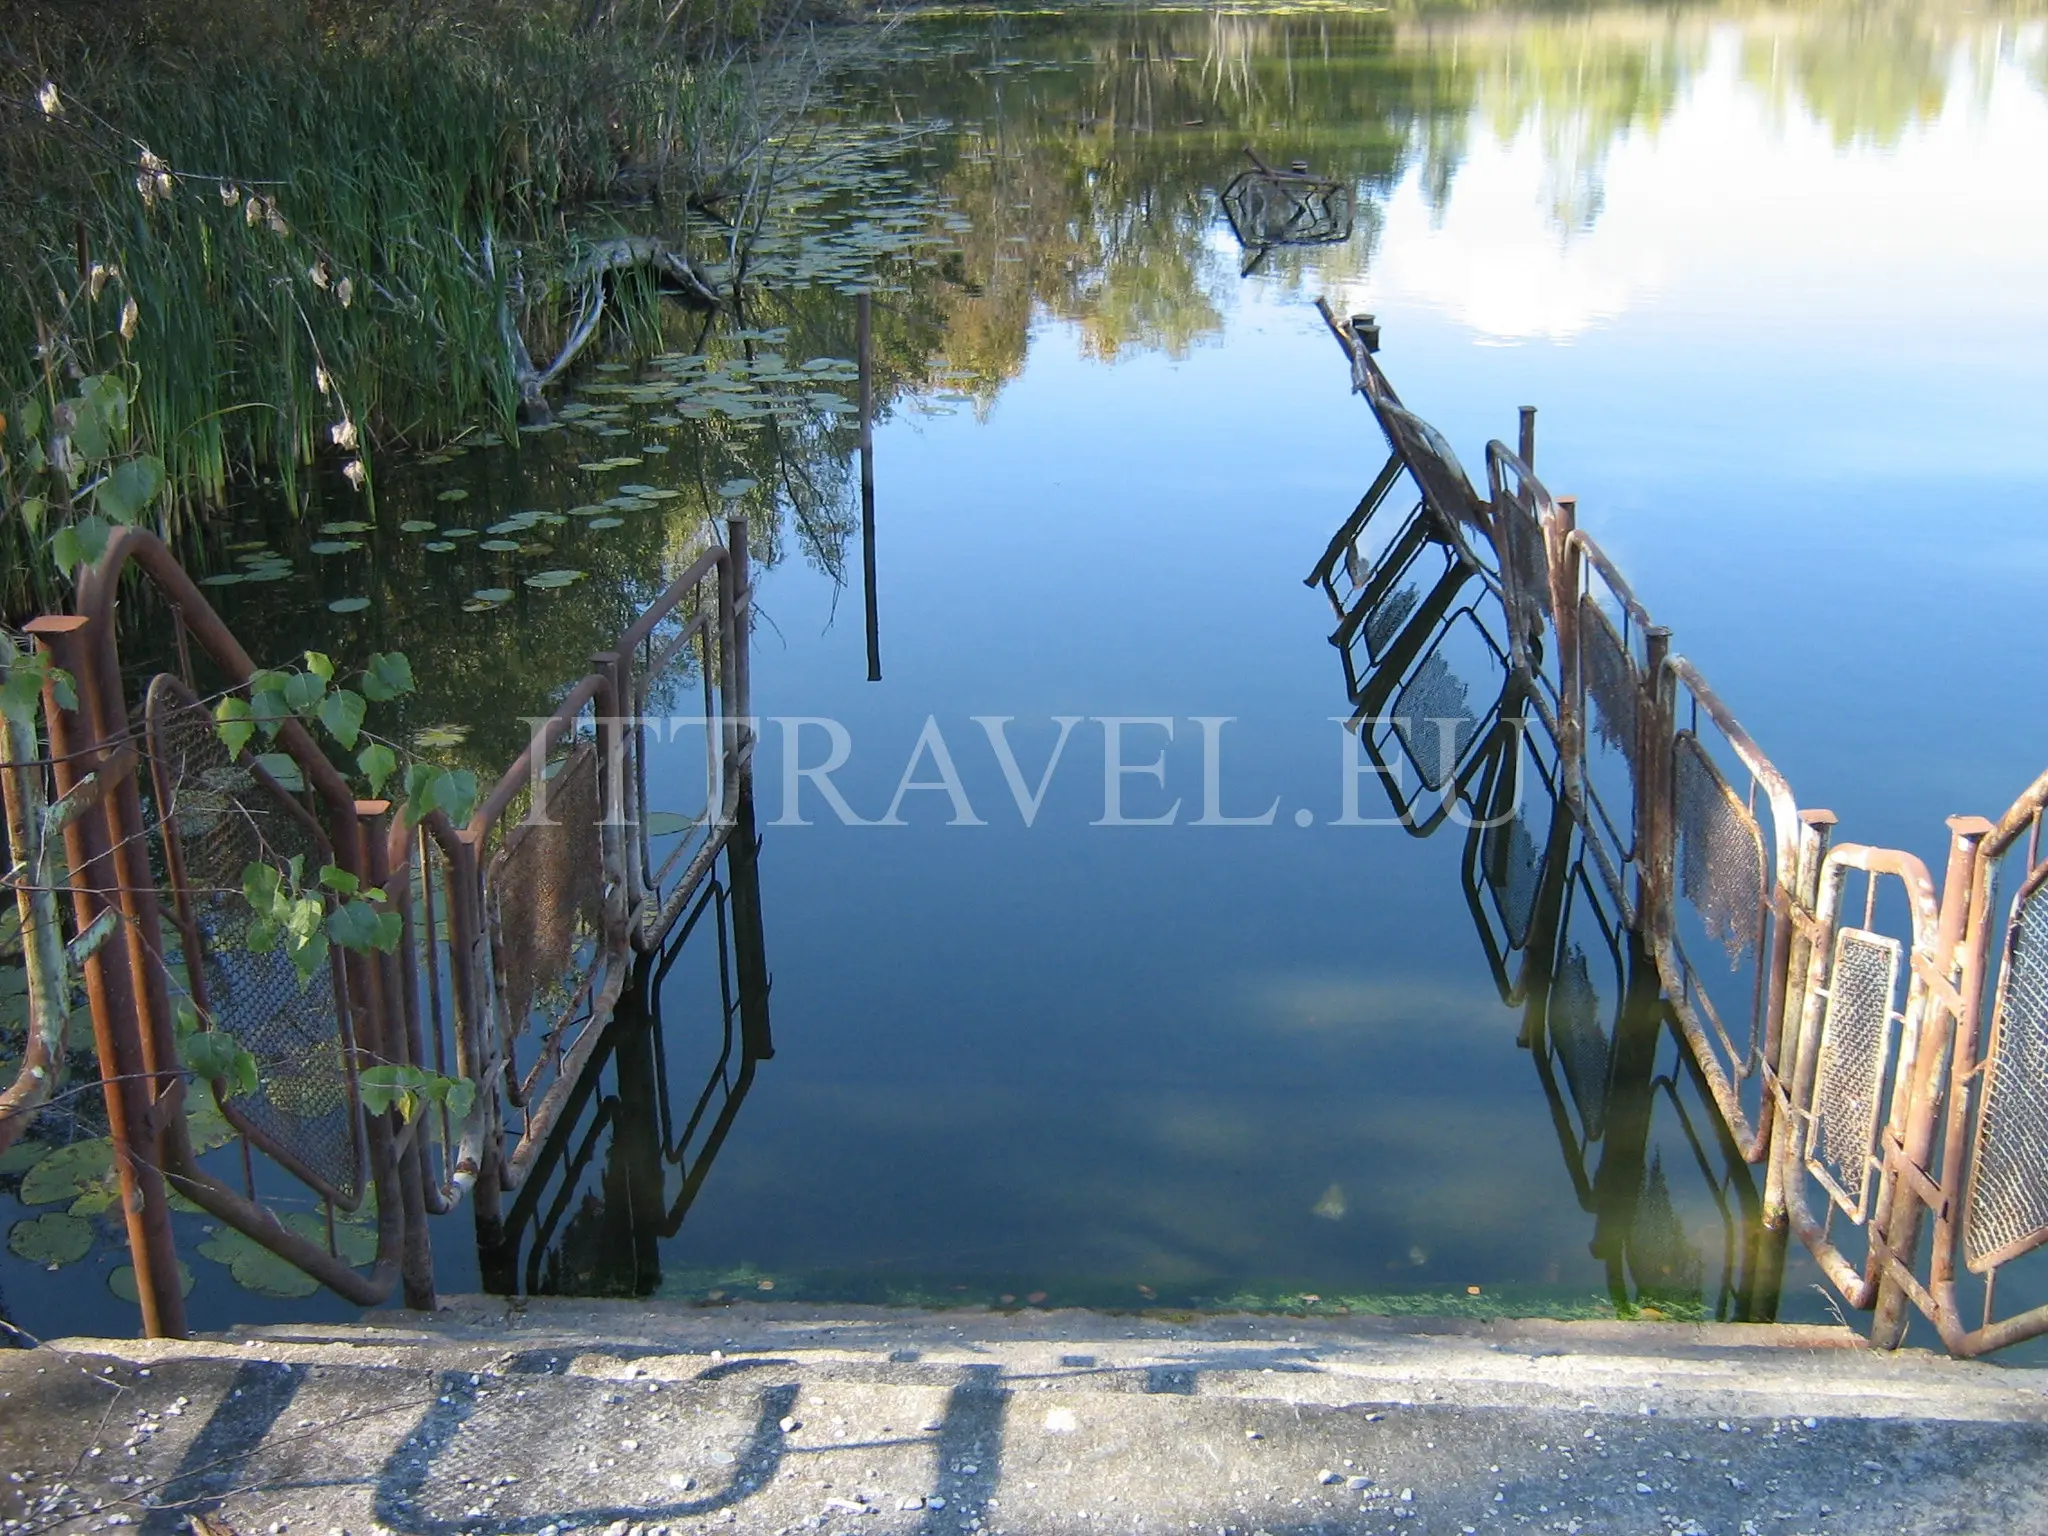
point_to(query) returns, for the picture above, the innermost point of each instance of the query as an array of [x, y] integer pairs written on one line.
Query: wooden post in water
[[866, 343]]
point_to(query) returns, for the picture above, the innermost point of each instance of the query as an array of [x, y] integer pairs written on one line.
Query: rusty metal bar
[[22, 789], [864, 326]]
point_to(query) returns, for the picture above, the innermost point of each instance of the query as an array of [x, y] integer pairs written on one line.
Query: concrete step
[[782, 1419]]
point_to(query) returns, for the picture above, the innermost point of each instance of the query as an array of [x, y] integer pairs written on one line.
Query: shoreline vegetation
[[243, 236]]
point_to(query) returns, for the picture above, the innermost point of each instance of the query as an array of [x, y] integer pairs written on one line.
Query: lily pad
[[501, 546], [23, 1155], [492, 594], [439, 546], [122, 1281], [732, 490], [607, 522], [52, 1238], [334, 546], [550, 579], [256, 1268], [348, 605], [68, 1172], [355, 1244], [222, 579], [416, 525], [350, 526], [453, 493]]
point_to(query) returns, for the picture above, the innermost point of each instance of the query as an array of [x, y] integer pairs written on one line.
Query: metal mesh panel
[[1514, 869], [1849, 1072], [1434, 694], [1720, 851], [2009, 1185], [222, 818], [1530, 557], [546, 896], [1579, 1039], [1387, 617], [1610, 679]]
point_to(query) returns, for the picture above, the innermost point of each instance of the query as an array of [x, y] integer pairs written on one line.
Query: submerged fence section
[[1874, 1042], [517, 931]]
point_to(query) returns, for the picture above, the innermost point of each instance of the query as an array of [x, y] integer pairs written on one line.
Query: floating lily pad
[[122, 1282], [23, 1155], [502, 546], [416, 525], [458, 533], [607, 522], [334, 546], [548, 579], [492, 594], [439, 546], [68, 1172], [222, 579], [355, 1244], [52, 1239], [732, 490], [348, 605], [204, 1123], [453, 493], [256, 1268], [350, 526]]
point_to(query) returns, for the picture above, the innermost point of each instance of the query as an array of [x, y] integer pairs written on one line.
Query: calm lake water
[[1774, 282]]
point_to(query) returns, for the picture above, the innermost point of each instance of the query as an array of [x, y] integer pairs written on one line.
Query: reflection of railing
[[635, 1124], [1882, 1067], [1643, 1148], [516, 932]]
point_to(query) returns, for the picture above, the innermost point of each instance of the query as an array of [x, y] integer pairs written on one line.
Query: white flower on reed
[[354, 473], [321, 274], [49, 101], [252, 211], [343, 433], [153, 179], [131, 317], [322, 382], [97, 279], [346, 292], [230, 194]]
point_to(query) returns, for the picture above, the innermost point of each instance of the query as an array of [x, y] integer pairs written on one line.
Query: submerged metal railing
[[1876, 1046], [516, 931]]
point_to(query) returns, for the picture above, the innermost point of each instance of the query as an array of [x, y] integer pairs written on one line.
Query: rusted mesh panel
[[1434, 464], [2009, 1186], [1668, 1267], [1611, 682], [1528, 554], [1514, 869], [1387, 618], [1720, 851], [1579, 1038], [1849, 1072], [545, 895], [1434, 719], [222, 818]]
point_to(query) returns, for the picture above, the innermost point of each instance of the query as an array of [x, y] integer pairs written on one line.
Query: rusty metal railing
[[1885, 1067], [516, 931]]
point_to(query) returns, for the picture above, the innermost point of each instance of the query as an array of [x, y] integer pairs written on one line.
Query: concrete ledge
[[786, 1419]]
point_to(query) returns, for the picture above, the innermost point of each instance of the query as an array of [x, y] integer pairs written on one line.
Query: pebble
[[790, 1426], [1358, 1484], [910, 1503], [1326, 1477]]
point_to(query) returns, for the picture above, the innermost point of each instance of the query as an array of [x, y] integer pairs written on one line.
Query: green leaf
[[550, 579], [125, 494], [79, 543], [457, 795], [320, 665], [377, 763], [353, 925], [284, 768], [387, 676], [335, 878], [235, 723], [348, 605], [303, 692], [461, 1097], [342, 713], [218, 1056]]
